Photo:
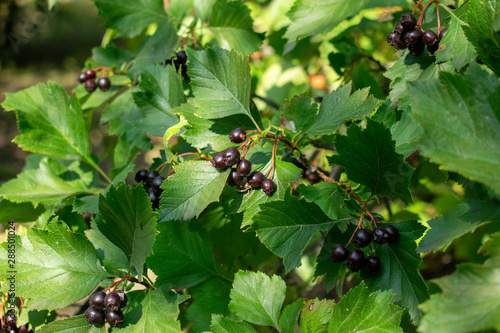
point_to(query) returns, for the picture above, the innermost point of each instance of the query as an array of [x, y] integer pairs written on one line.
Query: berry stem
[[360, 223], [244, 144], [419, 24], [246, 150], [271, 169], [439, 20], [418, 4]]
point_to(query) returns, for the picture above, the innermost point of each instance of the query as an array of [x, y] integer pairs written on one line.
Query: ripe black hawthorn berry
[[408, 21], [244, 167], [82, 78], [339, 253], [362, 238], [396, 40], [442, 33], [157, 181], [182, 57], [267, 186], [380, 235], [355, 260], [311, 177], [231, 156], [393, 234], [372, 264], [24, 328], [429, 37], [234, 178], [141, 176], [123, 298], [104, 84], [413, 36], [155, 198], [114, 317], [218, 161], [399, 28], [90, 85], [255, 179], [90, 73], [416, 49], [433, 48], [97, 300], [112, 300], [318, 99], [94, 316], [152, 174], [237, 135]]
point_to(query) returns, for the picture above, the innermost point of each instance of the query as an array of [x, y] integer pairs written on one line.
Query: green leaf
[[50, 121], [74, 324], [360, 312], [320, 16], [468, 302], [225, 325], [370, 158], [45, 259], [316, 315], [156, 48], [45, 185], [257, 298], [233, 27], [204, 8], [399, 269], [288, 318], [194, 186], [405, 132], [129, 17], [461, 122], [328, 197], [127, 220], [183, 255], [158, 312], [286, 227], [463, 219], [110, 56], [19, 212], [221, 83]]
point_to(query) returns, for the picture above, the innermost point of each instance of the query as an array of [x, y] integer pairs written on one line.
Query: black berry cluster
[[408, 34], [180, 61], [152, 182], [106, 307], [231, 157], [10, 326], [88, 79], [362, 238]]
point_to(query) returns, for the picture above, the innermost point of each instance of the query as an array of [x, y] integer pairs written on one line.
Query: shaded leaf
[[224, 325], [75, 324], [19, 212]]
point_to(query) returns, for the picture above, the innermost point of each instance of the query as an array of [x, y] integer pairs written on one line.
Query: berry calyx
[[104, 84], [244, 167], [141, 176], [234, 178], [90, 74], [97, 300], [112, 300], [339, 253], [218, 161], [82, 78], [255, 179], [393, 233], [380, 235], [237, 135], [114, 317], [442, 33], [355, 260], [231, 156], [90, 85], [362, 238], [267, 186], [94, 316], [372, 264], [408, 21], [123, 298], [429, 37], [413, 36]]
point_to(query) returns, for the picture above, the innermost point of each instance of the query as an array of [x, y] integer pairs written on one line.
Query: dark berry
[[114, 317], [104, 84], [442, 33], [267, 186], [155, 198], [408, 21], [399, 28], [339, 253], [97, 300], [10, 319], [318, 99], [112, 300], [157, 181], [380, 235], [123, 298], [24, 328], [393, 234], [237, 135], [429, 37], [355, 260], [413, 36], [372, 264], [218, 161], [362, 238], [231, 156], [244, 167], [141, 176], [90, 85], [94, 316], [82, 78], [234, 178], [152, 174], [182, 57], [255, 179], [311, 177], [90, 73], [416, 49], [396, 40], [433, 48]]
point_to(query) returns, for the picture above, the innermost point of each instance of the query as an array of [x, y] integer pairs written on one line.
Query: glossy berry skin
[[114, 317], [24, 328], [157, 181], [339, 253], [442, 33], [97, 300], [380, 236], [237, 135], [152, 174], [155, 199], [433, 48], [393, 234], [416, 49], [141, 176], [429, 37], [255, 179], [104, 84], [218, 161], [90, 85], [244, 167], [112, 300], [82, 78], [372, 264], [267, 186], [10, 319], [413, 36], [399, 28], [231, 156], [94, 316], [408, 21], [355, 260], [234, 178], [182, 57], [362, 238], [123, 298], [396, 40], [90, 73]]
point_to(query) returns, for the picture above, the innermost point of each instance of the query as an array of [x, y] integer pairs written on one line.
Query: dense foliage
[[306, 175]]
